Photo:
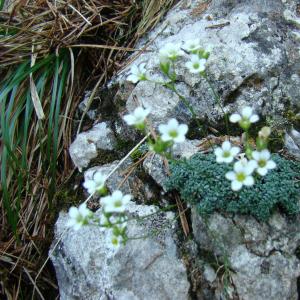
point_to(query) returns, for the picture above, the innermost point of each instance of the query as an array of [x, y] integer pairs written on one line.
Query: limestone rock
[[85, 146], [144, 269], [123, 178], [262, 256], [254, 61], [155, 166], [292, 143]]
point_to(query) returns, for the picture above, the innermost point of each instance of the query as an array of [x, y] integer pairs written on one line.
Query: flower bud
[[264, 132]]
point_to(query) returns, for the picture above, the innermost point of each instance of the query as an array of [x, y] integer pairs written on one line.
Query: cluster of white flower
[[169, 54], [111, 215], [170, 133], [79, 216], [258, 161]]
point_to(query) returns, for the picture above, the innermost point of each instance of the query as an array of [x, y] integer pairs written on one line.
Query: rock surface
[[255, 59], [86, 145], [154, 164], [145, 269], [262, 257], [292, 143], [124, 177]]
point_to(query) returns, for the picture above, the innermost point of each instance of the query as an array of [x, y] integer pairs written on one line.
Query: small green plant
[[200, 181]]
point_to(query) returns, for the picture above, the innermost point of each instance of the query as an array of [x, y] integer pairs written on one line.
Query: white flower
[[170, 51], [115, 202], [173, 131], [264, 163], [120, 222], [114, 241], [96, 184], [196, 64], [241, 174], [226, 153], [192, 45], [137, 118], [245, 118], [137, 73], [79, 216]]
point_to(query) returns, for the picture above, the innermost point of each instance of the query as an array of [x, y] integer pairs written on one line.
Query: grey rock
[[254, 61], [261, 255], [85, 146], [155, 166], [144, 269], [124, 178], [292, 143], [209, 273], [114, 181], [84, 106]]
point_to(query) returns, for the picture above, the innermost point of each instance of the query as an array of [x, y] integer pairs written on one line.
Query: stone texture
[[254, 61], [292, 143], [261, 256], [126, 179], [156, 167], [145, 269], [85, 146]]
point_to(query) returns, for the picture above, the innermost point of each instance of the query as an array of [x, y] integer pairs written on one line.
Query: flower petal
[[133, 78], [126, 199], [250, 167], [236, 185], [163, 129], [265, 154], [271, 164], [117, 195], [234, 118], [238, 167], [173, 124], [73, 212], [226, 146], [129, 119], [249, 181], [247, 112], [179, 139], [256, 155], [228, 159], [230, 175], [235, 151], [262, 171], [183, 129], [254, 118], [218, 151]]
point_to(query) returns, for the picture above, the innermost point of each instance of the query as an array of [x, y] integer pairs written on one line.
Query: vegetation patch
[[201, 181]]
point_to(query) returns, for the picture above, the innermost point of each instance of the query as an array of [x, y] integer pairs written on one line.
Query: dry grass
[[50, 51]]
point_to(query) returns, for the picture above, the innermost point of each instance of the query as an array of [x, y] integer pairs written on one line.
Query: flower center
[[262, 163], [118, 203], [196, 65], [173, 133], [245, 123], [226, 154], [240, 177], [114, 241]]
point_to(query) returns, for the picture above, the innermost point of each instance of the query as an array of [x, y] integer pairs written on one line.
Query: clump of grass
[[50, 52]]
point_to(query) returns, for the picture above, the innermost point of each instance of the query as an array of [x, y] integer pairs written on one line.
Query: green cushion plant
[[201, 181]]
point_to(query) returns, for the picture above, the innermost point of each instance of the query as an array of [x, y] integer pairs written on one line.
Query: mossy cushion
[[201, 181]]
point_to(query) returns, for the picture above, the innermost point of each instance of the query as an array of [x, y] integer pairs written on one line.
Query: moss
[[67, 196], [292, 117], [201, 181]]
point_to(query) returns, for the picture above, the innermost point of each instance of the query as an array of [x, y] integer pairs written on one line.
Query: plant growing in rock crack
[[199, 180]]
